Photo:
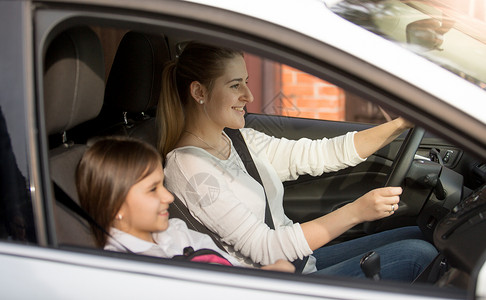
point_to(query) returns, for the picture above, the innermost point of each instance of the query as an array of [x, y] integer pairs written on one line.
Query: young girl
[[120, 184], [204, 91]]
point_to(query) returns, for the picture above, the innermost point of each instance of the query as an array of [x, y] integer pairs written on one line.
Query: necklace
[[217, 151]]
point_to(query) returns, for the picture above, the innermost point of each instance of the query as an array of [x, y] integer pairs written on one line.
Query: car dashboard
[[460, 234]]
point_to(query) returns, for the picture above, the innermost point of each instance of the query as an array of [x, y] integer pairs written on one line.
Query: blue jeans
[[403, 255]]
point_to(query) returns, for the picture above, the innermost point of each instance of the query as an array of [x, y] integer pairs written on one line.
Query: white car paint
[[98, 277]]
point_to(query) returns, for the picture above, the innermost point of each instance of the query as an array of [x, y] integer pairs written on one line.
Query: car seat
[[133, 86], [73, 94], [133, 89]]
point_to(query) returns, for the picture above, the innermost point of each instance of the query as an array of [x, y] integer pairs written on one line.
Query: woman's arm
[[371, 140], [374, 205], [291, 158]]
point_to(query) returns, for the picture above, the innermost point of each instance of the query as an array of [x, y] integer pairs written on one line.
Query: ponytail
[[170, 113]]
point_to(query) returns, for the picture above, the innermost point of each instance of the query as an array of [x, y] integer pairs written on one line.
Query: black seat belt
[[68, 202], [242, 149], [177, 209]]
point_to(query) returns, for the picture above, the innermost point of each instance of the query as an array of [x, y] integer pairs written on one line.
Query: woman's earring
[[119, 217], [201, 101]]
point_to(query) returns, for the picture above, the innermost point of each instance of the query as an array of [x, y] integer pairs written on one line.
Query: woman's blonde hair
[[105, 174], [197, 62]]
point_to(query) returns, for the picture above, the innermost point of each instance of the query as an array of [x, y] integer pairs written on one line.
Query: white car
[[72, 70]]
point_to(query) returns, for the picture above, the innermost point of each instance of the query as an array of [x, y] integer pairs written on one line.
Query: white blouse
[[222, 196]]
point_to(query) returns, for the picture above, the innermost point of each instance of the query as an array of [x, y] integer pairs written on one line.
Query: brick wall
[[306, 96]]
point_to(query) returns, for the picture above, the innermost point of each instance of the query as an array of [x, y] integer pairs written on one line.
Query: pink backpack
[[203, 255]]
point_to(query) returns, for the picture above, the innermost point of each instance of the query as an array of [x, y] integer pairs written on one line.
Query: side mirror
[[428, 34]]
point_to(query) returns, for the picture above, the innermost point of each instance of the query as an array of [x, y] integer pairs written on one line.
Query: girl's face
[[145, 208], [229, 96]]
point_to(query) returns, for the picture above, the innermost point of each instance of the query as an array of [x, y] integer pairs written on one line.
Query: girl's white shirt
[[225, 198], [168, 243]]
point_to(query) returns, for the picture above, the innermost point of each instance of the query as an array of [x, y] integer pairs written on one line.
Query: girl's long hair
[[105, 174], [197, 62]]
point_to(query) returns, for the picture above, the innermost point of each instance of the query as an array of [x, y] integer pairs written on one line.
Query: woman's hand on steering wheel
[[377, 204], [401, 165]]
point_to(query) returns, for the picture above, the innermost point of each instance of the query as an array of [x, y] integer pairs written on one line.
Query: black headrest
[[73, 79], [133, 85]]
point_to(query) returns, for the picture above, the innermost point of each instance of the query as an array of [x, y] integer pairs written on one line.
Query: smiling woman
[[188, 87], [212, 181]]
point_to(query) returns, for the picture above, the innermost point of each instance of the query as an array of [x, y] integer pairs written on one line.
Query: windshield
[[450, 33]]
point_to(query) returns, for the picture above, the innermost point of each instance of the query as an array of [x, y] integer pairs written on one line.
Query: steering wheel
[[400, 166]]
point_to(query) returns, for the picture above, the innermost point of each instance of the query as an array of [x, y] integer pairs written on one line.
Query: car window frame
[[52, 19]]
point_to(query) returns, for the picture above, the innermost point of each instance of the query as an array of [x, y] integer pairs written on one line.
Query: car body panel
[[16, 95], [93, 276], [318, 52]]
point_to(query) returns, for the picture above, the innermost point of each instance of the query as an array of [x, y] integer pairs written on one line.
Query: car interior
[[99, 111], [102, 80]]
